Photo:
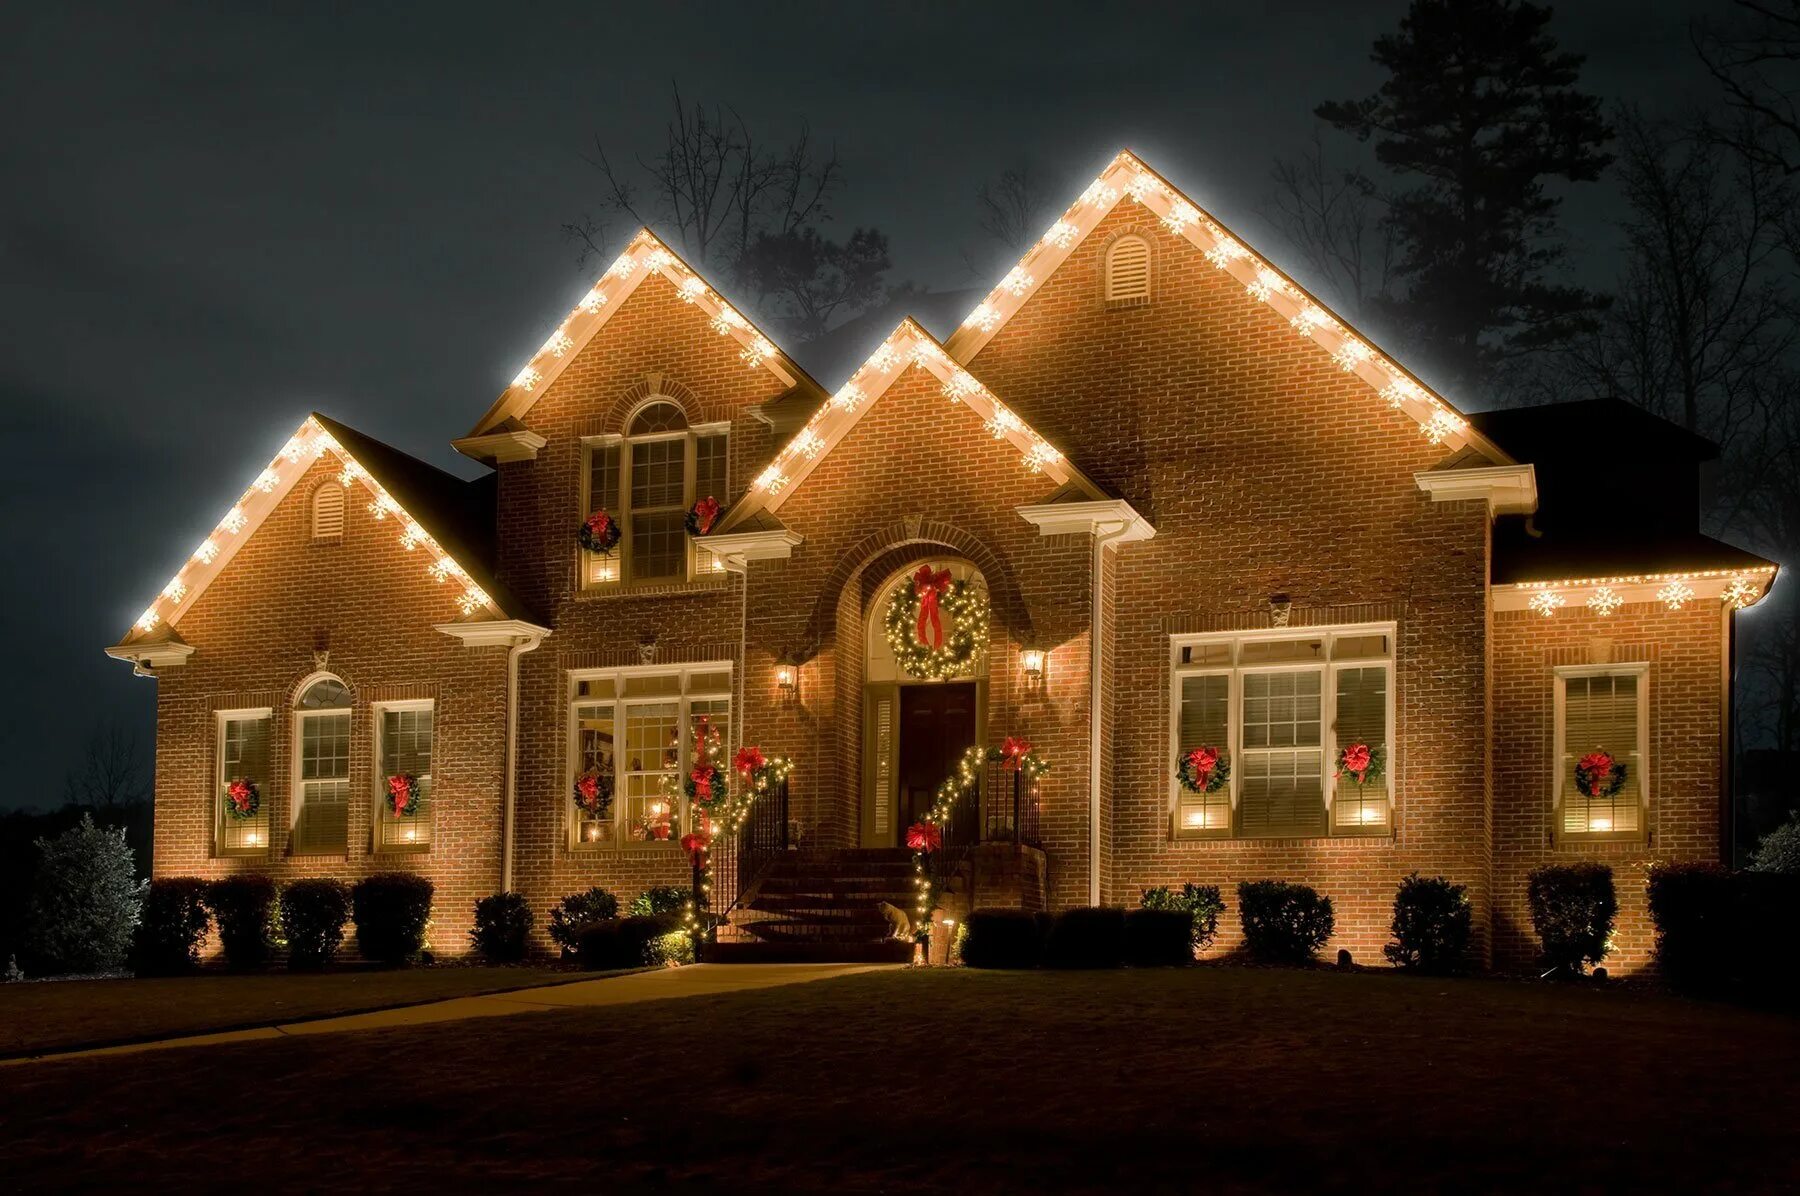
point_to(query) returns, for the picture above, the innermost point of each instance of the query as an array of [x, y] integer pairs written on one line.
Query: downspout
[[520, 646], [1095, 657]]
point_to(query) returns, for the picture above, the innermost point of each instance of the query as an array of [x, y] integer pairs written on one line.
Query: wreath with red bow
[[916, 631], [1597, 774], [705, 784], [1203, 770], [403, 793], [594, 793], [599, 533], [703, 515], [242, 798], [1362, 762]]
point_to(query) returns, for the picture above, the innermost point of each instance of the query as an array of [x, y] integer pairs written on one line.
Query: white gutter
[[520, 646], [1113, 534]]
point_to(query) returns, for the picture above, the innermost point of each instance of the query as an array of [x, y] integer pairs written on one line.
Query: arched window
[[647, 480], [328, 511], [1128, 270], [322, 755]]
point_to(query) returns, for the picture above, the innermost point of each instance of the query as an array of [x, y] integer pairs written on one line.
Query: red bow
[[598, 523], [703, 783], [750, 759], [928, 584], [1203, 760], [239, 792], [1014, 751], [705, 512], [400, 790], [693, 844], [924, 836], [1356, 761]]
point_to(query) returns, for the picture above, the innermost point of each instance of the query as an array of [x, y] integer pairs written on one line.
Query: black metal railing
[[739, 861], [1009, 808]]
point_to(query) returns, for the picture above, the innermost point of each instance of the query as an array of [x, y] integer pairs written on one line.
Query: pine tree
[[1479, 112], [85, 899]]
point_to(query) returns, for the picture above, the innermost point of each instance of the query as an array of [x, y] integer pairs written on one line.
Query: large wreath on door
[[936, 625]]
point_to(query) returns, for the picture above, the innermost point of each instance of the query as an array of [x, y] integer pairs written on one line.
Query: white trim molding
[[1115, 519], [734, 551], [145, 659], [494, 633], [1735, 588], [1507, 489], [501, 448]]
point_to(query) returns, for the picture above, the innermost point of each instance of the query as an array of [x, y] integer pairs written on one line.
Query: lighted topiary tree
[[85, 899]]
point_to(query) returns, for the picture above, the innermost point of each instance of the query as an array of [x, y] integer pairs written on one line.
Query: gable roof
[[644, 256], [1127, 178], [432, 510], [906, 346]]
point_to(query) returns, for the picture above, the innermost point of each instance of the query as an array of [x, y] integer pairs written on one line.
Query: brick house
[[1194, 508]]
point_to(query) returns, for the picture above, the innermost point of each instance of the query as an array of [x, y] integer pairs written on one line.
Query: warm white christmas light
[[207, 552], [527, 379], [847, 397], [559, 343], [1062, 234], [1740, 593], [690, 289], [1546, 603], [175, 591], [961, 385], [267, 480], [1604, 601], [771, 480], [1675, 595], [1017, 281], [983, 317]]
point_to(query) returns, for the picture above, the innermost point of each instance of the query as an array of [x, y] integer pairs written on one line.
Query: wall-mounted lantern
[[787, 678], [1031, 659]]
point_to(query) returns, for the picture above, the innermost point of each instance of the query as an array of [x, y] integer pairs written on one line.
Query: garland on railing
[[754, 774], [927, 834]]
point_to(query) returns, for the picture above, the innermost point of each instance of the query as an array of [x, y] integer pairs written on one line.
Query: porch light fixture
[[787, 678], [1031, 659]]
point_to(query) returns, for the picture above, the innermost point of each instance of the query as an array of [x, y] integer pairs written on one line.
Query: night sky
[[213, 221]]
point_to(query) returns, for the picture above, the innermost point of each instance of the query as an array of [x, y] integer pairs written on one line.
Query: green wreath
[[964, 606]]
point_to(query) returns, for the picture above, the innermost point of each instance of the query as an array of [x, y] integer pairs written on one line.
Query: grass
[[74, 1013], [1214, 1079]]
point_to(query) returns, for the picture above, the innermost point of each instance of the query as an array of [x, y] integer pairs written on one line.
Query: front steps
[[821, 906]]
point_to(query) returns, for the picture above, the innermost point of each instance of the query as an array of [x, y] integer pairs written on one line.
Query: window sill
[[1382, 838], [338, 853], [403, 849], [653, 589], [240, 853]]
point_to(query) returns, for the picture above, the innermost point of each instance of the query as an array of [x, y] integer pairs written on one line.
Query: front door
[[937, 725]]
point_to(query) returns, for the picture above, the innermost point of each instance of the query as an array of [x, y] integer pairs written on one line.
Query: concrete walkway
[[695, 980]]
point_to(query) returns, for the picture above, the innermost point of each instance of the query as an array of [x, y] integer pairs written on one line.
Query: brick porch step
[[808, 952]]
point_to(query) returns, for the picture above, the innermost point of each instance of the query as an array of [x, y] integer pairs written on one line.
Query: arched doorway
[[914, 728]]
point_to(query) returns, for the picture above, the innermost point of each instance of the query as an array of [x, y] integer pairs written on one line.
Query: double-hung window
[[403, 747], [1279, 715], [242, 828], [1601, 718], [631, 744], [322, 788], [647, 481]]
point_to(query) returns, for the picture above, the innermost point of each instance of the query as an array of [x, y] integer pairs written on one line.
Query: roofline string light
[[1127, 178], [304, 447], [1602, 596]]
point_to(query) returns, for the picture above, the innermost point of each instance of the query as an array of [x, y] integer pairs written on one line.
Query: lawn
[[1208, 1079], [64, 1014]]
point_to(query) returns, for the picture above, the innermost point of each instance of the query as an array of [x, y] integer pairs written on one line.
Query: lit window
[[631, 742], [403, 746], [1128, 270], [322, 806], [328, 512], [648, 481], [1600, 719], [1272, 715], [242, 824]]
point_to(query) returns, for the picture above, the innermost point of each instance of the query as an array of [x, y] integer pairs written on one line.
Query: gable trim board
[[144, 643], [1736, 589], [645, 256]]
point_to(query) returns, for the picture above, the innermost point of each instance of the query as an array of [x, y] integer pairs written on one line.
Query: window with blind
[[242, 755], [1601, 711], [404, 734], [1128, 270], [1278, 708], [631, 732], [322, 788], [648, 481]]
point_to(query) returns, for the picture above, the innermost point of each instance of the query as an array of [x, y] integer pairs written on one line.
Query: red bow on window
[[928, 584]]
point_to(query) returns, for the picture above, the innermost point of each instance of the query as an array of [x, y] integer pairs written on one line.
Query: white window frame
[[1328, 668], [599, 572], [219, 781], [683, 700], [378, 711], [296, 768], [1562, 674]]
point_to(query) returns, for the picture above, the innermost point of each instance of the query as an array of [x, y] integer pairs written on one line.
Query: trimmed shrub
[[392, 911], [1283, 923], [1431, 925], [243, 907], [313, 913], [1202, 901], [171, 927], [1086, 937], [502, 930], [85, 899], [1572, 910], [1779, 850], [576, 911], [633, 942], [1720, 933], [1002, 938], [1159, 938], [660, 899]]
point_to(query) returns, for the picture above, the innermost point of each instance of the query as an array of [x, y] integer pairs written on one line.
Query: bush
[[1572, 909], [392, 911], [633, 942], [502, 930], [85, 899], [576, 911], [660, 899], [244, 908], [1159, 938], [1779, 850], [1002, 938], [171, 927], [313, 913], [1719, 933], [1086, 937], [1283, 923], [1431, 925], [1202, 901]]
